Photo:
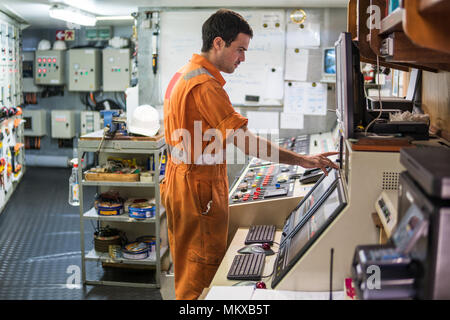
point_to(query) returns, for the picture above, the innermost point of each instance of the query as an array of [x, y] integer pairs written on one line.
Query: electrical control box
[[116, 69], [28, 73], [63, 124], [35, 123], [90, 121], [85, 69], [49, 67]]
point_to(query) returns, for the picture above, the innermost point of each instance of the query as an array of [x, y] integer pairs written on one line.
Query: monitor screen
[[329, 61], [319, 190], [314, 224], [350, 97]]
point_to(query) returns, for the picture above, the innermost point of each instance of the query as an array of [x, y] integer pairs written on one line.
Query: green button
[[45, 74], [86, 72]]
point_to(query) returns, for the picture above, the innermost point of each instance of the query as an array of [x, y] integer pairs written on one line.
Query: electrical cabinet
[[28, 73], [90, 121], [35, 123], [63, 124], [49, 67], [85, 69], [116, 69], [12, 153]]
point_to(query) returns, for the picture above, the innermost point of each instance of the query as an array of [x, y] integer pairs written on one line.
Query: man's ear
[[218, 43]]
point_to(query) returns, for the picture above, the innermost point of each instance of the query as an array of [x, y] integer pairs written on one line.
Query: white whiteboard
[[260, 75]]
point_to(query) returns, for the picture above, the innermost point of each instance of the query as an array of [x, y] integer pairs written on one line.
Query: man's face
[[230, 57]]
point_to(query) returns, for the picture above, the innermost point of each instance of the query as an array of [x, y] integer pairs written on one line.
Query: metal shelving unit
[[133, 146]]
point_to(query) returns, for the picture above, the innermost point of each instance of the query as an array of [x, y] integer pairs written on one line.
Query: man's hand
[[319, 161]]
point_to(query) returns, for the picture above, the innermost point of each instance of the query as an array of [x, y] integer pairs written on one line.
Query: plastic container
[[74, 195]]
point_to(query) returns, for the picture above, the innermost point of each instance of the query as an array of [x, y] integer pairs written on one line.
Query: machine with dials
[[326, 223], [266, 192]]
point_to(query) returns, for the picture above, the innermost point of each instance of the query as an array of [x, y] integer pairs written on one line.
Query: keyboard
[[247, 267], [260, 234], [385, 254]]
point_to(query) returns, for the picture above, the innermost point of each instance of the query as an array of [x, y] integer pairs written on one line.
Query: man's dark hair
[[226, 24]]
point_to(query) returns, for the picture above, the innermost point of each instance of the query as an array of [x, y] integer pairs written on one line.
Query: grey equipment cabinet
[[157, 226]]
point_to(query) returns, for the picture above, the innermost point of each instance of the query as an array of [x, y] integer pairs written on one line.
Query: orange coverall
[[195, 195]]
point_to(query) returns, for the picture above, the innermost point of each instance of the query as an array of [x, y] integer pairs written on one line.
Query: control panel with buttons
[[49, 67], [267, 181], [85, 69], [116, 69]]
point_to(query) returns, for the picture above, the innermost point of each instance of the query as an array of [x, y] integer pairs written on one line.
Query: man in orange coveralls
[[199, 121]]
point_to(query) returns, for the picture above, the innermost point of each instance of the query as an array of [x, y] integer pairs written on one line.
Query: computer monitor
[[350, 97], [315, 223], [322, 187], [329, 64]]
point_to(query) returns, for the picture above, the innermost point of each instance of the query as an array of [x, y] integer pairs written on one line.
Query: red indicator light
[[39, 59], [45, 70], [44, 60], [54, 59], [39, 70]]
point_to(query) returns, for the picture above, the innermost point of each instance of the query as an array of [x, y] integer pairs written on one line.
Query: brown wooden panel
[[428, 30]]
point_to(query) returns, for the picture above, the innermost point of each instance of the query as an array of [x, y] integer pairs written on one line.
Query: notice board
[[259, 80]]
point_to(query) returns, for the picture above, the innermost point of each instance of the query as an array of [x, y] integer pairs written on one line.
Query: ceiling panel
[[35, 12]]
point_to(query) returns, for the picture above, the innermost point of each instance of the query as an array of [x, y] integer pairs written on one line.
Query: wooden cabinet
[[415, 35]]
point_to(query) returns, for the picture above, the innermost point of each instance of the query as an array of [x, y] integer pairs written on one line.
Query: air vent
[[390, 181]]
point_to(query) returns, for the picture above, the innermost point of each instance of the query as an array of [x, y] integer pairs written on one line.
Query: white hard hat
[[59, 45], [144, 121], [44, 45]]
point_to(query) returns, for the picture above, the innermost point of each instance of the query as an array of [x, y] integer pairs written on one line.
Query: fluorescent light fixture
[[73, 15], [113, 18]]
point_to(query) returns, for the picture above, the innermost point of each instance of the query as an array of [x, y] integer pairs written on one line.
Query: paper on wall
[[308, 36], [263, 122], [296, 64], [273, 86], [291, 120], [305, 98]]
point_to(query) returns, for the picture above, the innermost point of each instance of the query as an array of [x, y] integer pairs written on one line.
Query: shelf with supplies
[[121, 184], [124, 192], [413, 35], [93, 215], [105, 257]]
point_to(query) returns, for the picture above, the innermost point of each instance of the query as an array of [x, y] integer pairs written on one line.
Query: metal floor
[[40, 246]]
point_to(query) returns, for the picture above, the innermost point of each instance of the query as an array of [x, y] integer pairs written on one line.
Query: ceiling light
[[73, 15], [112, 18]]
